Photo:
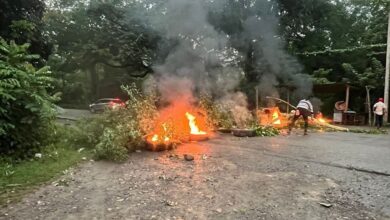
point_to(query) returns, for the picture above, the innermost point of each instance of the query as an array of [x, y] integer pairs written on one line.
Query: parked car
[[106, 103]]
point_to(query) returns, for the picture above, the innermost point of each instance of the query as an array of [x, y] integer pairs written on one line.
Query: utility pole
[[386, 92], [368, 100]]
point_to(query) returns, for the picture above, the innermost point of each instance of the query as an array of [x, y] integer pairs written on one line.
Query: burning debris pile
[[179, 122], [272, 117]]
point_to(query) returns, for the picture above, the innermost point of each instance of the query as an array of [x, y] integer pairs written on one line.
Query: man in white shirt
[[304, 109], [379, 111]]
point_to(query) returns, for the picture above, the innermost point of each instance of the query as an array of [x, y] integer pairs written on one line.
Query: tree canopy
[[99, 45]]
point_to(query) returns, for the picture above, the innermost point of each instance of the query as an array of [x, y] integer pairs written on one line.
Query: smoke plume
[[202, 60]]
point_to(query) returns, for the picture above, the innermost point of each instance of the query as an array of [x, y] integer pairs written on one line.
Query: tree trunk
[[369, 106], [94, 81]]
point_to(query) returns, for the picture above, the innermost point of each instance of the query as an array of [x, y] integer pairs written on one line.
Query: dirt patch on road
[[222, 182]]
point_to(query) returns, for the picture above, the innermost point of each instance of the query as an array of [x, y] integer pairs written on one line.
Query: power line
[[346, 50]]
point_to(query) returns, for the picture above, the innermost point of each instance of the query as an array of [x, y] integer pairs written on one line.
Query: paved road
[[284, 177], [360, 151], [67, 116]]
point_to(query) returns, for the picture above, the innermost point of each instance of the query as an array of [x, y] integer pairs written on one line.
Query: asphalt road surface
[[284, 177]]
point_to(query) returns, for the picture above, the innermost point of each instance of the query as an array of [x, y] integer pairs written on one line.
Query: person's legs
[[376, 120], [291, 125], [306, 119], [380, 121]]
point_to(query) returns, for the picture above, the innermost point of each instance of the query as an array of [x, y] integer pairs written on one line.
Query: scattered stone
[[38, 155], [170, 203], [204, 156], [173, 156], [120, 200], [109, 209], [188, 157], [327, 205], [84, 158], [209, 196], [138, 151], [219, 210], [208, 179]]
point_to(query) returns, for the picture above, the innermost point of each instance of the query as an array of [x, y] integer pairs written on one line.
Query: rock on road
[[284, 177]]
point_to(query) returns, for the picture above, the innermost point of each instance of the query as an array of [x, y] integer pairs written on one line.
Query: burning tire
[[158, 146], [199, 137], [225, 130], [244, 132]]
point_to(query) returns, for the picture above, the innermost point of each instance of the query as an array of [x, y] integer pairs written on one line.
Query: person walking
[[379, 111], [304, 109]]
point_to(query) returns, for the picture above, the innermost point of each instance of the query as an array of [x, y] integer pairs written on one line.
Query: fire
[[191, 122], [275, 118], [155, 138], [321, 120], [177, 123], [272, 116]]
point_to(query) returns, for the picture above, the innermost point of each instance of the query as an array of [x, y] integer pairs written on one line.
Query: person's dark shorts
[[304, 112]]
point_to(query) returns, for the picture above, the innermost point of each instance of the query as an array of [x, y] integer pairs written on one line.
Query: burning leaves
[[272, 117], [177, 123]]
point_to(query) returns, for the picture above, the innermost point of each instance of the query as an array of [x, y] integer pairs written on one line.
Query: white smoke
[[199, 47]]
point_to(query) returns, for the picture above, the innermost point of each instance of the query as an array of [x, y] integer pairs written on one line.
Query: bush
[[266, 131], [111, 146], [116, 132], [26, 109], [217, 116]]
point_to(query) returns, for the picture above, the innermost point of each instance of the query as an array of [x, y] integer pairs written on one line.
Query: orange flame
[[155, 138], [179, 122], [321, 120], [194, 128], [275, 118], [272, 116]]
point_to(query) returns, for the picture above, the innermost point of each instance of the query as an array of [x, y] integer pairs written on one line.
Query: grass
[[19, 178]]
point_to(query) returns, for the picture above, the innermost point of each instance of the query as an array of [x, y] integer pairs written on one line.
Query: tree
[[21, 21], [26, 109], [111, 38]]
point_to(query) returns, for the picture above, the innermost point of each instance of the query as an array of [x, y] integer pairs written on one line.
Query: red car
[[106, 103]]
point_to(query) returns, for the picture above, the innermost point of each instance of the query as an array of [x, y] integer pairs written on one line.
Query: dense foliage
[[336, 41], [97, 46], [218, 115], [26, 109], [115, 133], [21, 21]]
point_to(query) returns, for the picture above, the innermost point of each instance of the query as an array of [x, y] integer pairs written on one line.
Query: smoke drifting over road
[[201, 59]]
